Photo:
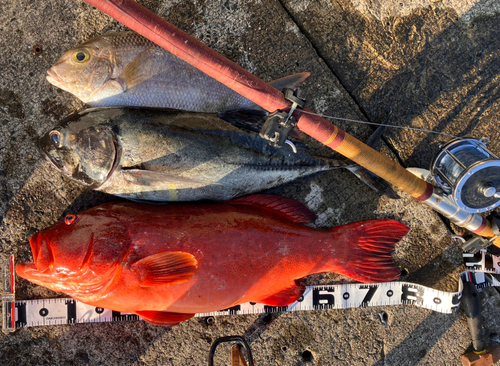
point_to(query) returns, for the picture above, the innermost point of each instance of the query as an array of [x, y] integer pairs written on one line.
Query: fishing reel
[[469, 174]]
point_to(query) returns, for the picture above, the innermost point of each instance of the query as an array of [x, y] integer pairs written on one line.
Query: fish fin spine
[[369, 255], [166, 268], [163, 318], [287, 207]]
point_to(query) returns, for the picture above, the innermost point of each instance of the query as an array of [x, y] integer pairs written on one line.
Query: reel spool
[[468, 172]]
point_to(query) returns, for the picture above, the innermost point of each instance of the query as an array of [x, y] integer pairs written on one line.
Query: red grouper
[[166, 263]]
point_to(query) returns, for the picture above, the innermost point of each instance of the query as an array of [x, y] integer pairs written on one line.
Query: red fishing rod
[[187, 48]]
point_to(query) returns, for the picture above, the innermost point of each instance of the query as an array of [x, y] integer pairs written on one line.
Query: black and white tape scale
[[483, 271]]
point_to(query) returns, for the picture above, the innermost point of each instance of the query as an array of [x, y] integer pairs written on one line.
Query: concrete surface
[[422, 63]]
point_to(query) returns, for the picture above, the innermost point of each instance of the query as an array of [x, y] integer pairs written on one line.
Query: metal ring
[[229, 339]]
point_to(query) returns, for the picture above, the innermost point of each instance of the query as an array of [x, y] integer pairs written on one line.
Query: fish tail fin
[[368, 257], [373, 181]]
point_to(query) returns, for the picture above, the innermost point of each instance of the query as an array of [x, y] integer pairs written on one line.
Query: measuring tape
[[483, 271]]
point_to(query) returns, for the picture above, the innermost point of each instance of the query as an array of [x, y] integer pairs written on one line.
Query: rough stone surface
[[427, 64]]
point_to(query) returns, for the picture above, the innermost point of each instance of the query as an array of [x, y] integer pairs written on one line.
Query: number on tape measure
[[69, 311]]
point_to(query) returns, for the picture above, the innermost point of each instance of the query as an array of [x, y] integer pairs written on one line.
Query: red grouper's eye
[[70, 219]]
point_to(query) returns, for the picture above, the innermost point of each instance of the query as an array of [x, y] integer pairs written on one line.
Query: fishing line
[[483, 270], [379, 124]]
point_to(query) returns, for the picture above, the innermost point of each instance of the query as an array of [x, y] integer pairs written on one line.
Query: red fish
[[166, 263]]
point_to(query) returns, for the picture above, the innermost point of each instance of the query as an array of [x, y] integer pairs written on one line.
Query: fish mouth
[[42, 253], [53, 77], [24, 269], [29, 272]]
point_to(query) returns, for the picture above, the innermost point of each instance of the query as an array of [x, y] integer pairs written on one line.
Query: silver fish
[[126, 69], [155, 155]]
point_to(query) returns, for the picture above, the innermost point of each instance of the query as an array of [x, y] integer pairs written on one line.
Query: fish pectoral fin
[[163, 318], [166, 268], [115, 87], [145, 66], [284, 297], [287, 207], [148, 178]]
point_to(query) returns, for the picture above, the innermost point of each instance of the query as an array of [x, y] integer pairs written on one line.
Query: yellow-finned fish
[[125, 69], [158, 155]]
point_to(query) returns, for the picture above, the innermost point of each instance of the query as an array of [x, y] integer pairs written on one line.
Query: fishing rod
[[466, 215]]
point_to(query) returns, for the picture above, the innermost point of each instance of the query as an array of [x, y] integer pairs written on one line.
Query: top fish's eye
[[55, 137], [70, 219], [81, 56]]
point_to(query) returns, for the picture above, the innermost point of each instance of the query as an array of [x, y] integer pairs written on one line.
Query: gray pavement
[[427, 64]]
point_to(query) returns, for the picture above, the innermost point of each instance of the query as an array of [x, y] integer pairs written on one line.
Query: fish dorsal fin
[[290, 81], [163, 318], [166, 268], [145, 66], [287, 207], [245, 119]]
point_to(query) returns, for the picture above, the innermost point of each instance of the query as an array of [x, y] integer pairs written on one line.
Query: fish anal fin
[[284, 297], [163, 318], [287, 207], [166, 268]]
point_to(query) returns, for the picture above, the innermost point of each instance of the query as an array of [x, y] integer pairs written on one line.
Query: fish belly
[[230, 181]]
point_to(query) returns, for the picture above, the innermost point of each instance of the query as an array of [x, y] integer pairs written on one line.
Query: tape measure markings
[[482, 261], [486, 267]]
